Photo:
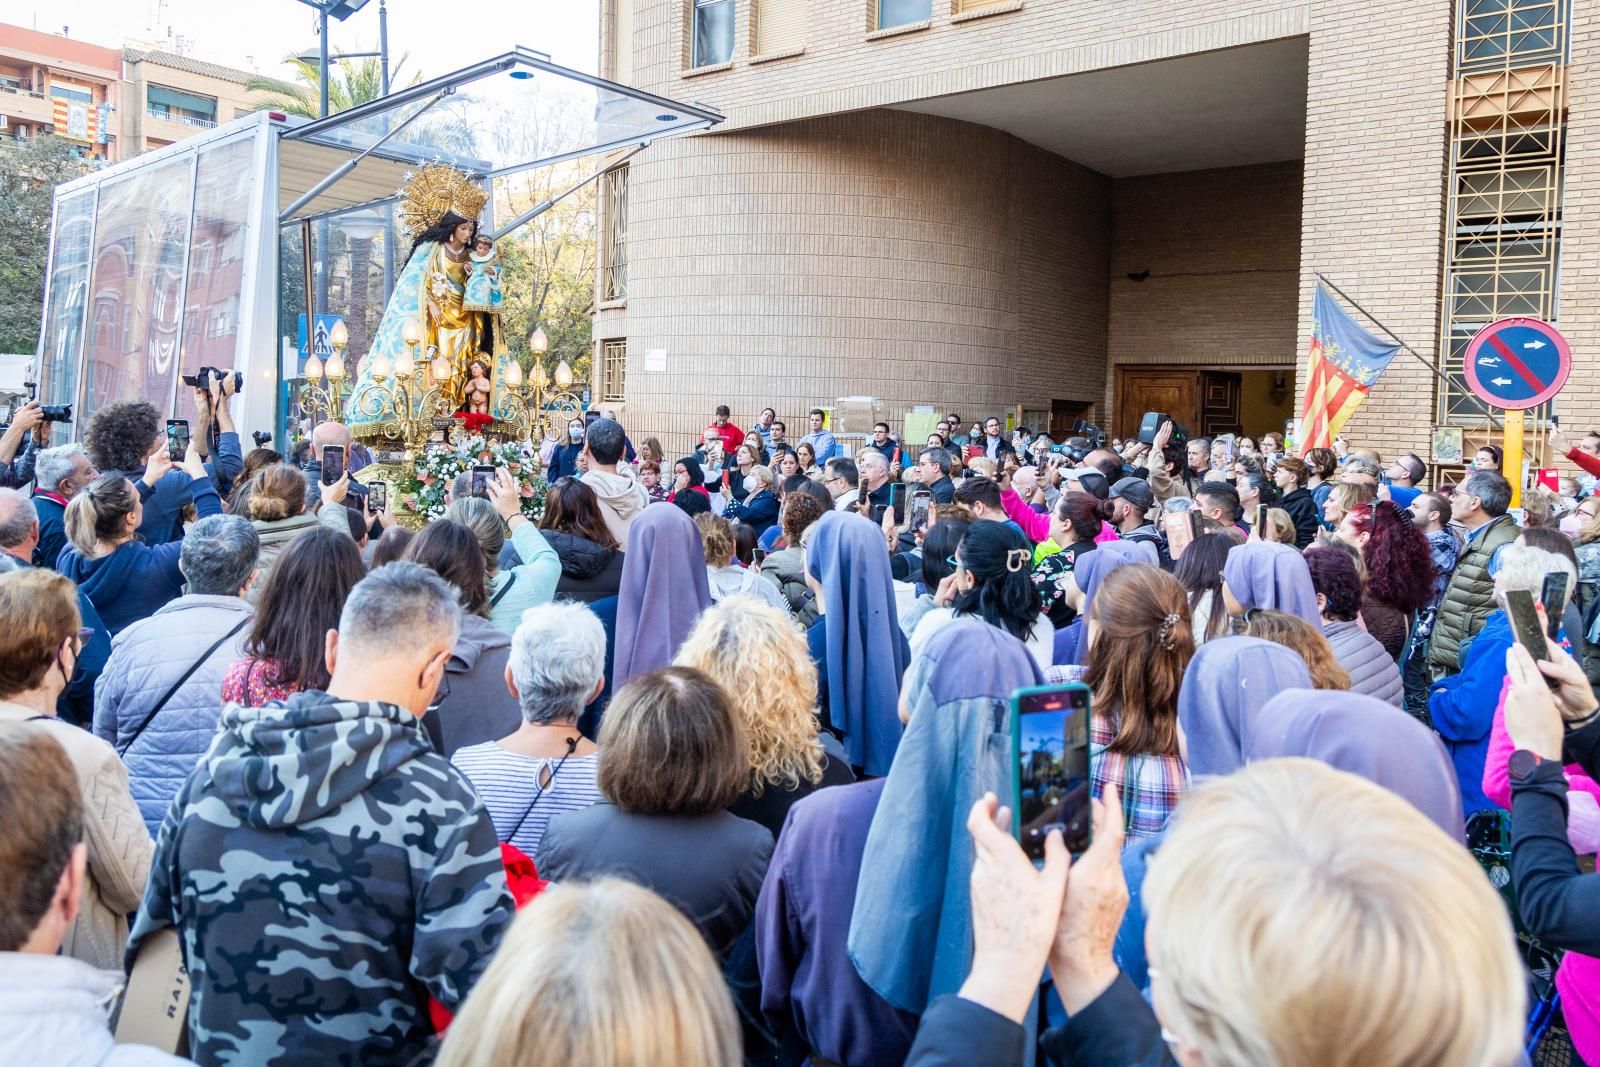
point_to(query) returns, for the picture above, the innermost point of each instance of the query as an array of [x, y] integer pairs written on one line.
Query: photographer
[[17, 471], [123, 436]]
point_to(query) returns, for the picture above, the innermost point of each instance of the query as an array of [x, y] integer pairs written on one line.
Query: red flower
[[474, 421]]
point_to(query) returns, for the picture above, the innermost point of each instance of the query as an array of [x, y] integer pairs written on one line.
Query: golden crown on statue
[[436, 190]]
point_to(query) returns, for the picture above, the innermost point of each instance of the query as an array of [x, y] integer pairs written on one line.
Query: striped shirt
[[1149, 786], [508, 784]]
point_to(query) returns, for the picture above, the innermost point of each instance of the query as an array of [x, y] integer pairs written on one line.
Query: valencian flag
[[1343, 364]]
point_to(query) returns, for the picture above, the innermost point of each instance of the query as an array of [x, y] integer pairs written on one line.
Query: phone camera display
[[1053, 771]]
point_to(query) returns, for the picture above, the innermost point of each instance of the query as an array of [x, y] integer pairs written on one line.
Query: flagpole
[[1437, 373]]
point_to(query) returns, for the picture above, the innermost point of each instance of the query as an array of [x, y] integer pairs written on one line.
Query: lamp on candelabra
[[319, 396]]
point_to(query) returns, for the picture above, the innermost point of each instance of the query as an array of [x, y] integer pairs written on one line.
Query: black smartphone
[[332, 463], [897, 501], [921, 507], [1050, 757], [177, 439], [1261, 522], [1554, 597], [377, 496], [482, 475], [1525, 627]]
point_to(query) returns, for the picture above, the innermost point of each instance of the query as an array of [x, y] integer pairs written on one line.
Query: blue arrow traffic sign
[[1517, 363]]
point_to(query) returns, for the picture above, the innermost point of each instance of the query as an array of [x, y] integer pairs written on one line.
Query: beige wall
[[1579, 311], [914, 258], [1223, 251], [140, 128]]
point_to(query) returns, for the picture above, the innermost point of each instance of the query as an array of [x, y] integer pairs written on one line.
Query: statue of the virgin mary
[[440, 208]]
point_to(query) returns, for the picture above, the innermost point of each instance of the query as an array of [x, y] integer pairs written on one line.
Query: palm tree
[[350, 82]]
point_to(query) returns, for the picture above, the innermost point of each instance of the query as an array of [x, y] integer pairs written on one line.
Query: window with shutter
[[779, 26]]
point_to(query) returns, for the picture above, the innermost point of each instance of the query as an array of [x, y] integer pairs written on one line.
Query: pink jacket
[[1036, 525]]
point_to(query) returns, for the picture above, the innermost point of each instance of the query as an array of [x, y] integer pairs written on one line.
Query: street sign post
[[1516, 364]]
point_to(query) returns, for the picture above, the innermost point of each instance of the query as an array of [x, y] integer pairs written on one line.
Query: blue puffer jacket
[[146, 659]]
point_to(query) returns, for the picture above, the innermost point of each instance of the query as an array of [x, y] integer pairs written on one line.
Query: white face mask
[[576, 433], [751, 483]]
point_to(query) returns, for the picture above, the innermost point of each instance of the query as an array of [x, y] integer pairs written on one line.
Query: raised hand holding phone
[[158, 464]]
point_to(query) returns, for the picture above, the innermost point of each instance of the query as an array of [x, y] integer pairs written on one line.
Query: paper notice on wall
[[918, 425], [655, 360]]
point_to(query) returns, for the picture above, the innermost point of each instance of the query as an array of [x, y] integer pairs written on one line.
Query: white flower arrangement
[[436, 468]]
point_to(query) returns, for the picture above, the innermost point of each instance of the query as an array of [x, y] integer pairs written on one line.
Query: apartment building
[[50, 83], [1066, 208], [115, 102]]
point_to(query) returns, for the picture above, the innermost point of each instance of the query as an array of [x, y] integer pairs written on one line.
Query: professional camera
[[56, 412], [262, 438], [1074, 448], [202, 379], [1088, 431], [1150, 425]]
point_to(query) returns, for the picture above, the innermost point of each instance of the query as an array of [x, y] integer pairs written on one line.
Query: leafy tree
[[350, 82], [29, 175]]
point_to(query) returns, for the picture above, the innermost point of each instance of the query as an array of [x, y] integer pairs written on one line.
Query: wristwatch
[[1523, 763]]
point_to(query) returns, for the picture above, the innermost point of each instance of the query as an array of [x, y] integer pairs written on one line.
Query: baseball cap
[[1093, 482], [1135, 491]]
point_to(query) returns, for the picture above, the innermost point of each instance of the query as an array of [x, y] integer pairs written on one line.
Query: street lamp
[[341, 10]]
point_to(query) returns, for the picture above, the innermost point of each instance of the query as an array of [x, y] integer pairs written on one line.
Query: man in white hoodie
[[52, 1007], [622, 498]]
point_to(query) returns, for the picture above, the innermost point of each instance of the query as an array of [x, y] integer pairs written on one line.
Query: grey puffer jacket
[[147, 658], [1372, 670], [787, 569]]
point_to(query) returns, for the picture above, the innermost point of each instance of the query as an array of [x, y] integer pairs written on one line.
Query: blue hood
[[102, 580]]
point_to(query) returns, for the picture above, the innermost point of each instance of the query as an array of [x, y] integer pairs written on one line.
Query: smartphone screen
[[1179, 527], [481, 473], [377, 496], [1050, 742], [332, 464], [921, 505], [897, 501], [1525, 625], [1261, 522], [1554, 597], [177, 439]]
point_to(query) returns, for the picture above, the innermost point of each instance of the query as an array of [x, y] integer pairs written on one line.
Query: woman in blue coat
[[124, 578]]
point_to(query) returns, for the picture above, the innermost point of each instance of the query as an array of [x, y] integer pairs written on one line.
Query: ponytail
[[998, 556], [1083, 513], [98, 512]]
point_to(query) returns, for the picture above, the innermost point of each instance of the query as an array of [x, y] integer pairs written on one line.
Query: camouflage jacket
[[326, 871]]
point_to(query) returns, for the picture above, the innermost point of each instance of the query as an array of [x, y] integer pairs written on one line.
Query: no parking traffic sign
[[1517, 364]]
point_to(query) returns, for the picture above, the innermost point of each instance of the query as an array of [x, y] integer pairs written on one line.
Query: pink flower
[[427, 479], [411, 502], [526, 492], [514, 468]]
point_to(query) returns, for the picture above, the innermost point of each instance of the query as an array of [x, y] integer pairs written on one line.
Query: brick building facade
[[1054, 206]]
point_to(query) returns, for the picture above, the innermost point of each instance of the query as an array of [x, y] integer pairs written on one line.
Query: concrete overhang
[[1226, 108]]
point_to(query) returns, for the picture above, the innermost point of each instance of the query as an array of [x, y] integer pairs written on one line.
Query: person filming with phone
[[126, 578], [123, 435]]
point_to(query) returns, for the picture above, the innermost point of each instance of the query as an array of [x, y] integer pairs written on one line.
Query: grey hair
[[54, 464], [400, 605], [558, 656], [219, 554], [1492, 490], [17, 516], [1525, 567], [938, 456]]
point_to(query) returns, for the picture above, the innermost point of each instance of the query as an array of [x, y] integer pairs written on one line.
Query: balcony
[[180, 118], [26, 104]]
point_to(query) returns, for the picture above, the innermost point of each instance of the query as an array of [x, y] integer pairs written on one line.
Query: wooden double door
[[1205, 402]]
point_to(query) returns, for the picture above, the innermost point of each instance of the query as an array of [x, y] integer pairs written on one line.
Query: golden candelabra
[[531, 406], [404, 398], [324, 381]]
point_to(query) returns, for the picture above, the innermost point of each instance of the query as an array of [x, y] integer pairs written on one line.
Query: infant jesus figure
[[478, 388]]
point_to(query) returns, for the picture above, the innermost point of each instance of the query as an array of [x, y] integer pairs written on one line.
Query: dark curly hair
[[1334, 575], [121, 436], [1399, 564]]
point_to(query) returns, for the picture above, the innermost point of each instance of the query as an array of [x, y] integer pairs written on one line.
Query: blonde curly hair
[[759, 657]]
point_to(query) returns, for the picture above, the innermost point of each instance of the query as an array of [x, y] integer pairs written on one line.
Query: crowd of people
[[712, 762]]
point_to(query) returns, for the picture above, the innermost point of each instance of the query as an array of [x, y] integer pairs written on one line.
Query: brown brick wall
[[1223, 251], [913, 258], [1578, 314], [1373, 209]]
